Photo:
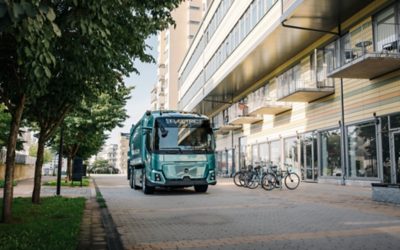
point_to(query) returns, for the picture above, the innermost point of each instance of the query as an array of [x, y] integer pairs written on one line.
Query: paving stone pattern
[[314, 216]]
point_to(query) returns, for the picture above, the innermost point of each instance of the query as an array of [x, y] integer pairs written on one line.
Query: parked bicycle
[[250, 176], [239, 177], [275, 176]]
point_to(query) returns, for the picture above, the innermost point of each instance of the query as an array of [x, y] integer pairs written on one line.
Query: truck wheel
[[135, 186], [201, 188], [146, 189], [131, 179]]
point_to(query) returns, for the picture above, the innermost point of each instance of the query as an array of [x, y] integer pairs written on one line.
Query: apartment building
[[309, 84], [122, 152], [172, 45]]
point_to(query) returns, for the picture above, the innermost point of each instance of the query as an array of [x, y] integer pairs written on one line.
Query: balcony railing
[[367, 52], [293, 86], [239, 114], [262, 103], [220, 123]]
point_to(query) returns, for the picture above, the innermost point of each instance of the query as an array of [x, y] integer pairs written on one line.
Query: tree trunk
[[69, 168], [10, 160], [38, 169]]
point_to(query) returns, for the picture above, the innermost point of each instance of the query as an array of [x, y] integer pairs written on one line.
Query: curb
[[112, 236]]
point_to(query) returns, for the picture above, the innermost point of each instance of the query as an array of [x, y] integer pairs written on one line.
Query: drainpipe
[[343, 137]]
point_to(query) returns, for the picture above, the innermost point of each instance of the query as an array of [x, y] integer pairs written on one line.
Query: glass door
[[395, 156], [309, 155]]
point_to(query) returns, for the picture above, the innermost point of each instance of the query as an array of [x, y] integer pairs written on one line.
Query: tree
[[26, 32], [84, 129], [102, 37], [96, 52]]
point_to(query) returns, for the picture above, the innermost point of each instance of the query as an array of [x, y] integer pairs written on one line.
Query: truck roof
[[175, 113]]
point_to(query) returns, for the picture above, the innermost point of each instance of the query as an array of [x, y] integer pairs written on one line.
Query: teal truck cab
[[171, 149]]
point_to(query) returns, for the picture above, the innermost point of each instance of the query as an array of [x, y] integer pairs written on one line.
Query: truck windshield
[[183, 135]]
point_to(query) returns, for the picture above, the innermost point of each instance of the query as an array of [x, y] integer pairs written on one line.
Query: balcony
[[221, 125], [261, 102], [295, 85], [239, 115], [362, 58]]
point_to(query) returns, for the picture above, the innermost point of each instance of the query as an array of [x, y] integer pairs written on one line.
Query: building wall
[[122, 153], [173, 44], [21, 172], [364, 99]]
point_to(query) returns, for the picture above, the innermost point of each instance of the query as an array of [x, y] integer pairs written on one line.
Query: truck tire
[[146, 189], [131, 179], [201, 188], [135, 186]]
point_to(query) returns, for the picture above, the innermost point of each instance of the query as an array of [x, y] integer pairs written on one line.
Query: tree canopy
[[53, 54]]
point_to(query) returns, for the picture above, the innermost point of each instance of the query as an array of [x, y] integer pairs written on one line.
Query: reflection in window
[[395, 121], [276, 152], [255, 158], [330, 152], [362, 150], [264, 153], [291, 152]]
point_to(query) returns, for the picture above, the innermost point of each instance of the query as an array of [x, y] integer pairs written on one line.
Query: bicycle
[[274, 177], [253, 178], [239, 177]]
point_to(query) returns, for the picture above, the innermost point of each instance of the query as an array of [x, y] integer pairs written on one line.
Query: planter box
[[383, 192]]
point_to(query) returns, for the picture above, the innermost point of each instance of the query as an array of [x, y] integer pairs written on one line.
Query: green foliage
[[5, 119], [54, 224], [2, 183], [47, 157]]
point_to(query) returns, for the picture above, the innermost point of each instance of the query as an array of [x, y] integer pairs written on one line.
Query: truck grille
[[194, 171]]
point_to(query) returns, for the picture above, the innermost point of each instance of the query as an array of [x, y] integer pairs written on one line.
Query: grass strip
[[2, 183], [100, 199], [85, 183], [54, 224]]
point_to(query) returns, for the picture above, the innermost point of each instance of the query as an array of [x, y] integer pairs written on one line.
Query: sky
[[140, 95]]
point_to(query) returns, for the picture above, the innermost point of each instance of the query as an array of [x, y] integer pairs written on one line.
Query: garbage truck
[[171, 149]]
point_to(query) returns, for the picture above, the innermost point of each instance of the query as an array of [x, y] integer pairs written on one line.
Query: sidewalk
[[92, 233]]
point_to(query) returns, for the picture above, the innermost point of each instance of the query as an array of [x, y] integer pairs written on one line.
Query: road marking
[[393, 230]]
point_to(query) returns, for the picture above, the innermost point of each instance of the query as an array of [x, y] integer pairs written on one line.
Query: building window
[[255, 157], [264, 153], [276, 152], [362, 150], [291, 157], [192, 7], [330, 153]]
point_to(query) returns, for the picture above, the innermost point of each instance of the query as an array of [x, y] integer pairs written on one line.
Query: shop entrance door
[[310, 163], [395, 155]]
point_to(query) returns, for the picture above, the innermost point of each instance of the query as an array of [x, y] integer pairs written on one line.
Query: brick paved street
[[315, 216]]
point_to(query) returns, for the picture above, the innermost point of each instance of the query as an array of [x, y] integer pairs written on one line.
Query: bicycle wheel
[[268, 182], [292, 181], [253, 182], [238, 179]]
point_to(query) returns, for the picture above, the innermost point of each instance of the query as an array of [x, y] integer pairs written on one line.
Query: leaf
[[56, 30], [75, 2], [51, 15], [47, 71], [37, 72]]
